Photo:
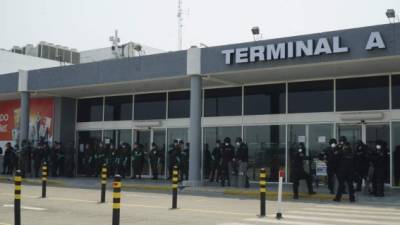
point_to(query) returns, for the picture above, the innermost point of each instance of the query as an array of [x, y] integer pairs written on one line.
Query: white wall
[[11, 62]]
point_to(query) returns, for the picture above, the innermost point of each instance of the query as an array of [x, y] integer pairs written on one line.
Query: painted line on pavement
[[283, 221], [25, 207], [353, 211], [5, 224], [348, 215], [341, 220], [355, 207]]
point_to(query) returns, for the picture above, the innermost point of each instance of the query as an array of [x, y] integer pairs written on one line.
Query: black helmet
[[343, 139], [332, 141], [239, 139], [227, 140]]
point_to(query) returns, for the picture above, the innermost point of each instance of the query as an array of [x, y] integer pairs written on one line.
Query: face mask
[[226, 144], [333, 145], [300, 150], [237, 143], [341, 142], [378, 147], [217, 145]]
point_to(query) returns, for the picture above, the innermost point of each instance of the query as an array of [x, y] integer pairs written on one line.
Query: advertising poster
[[40, 120]]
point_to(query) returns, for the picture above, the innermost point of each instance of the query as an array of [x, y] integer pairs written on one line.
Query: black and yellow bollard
[[263, 189], [116, 200], [44, 179], [175, 179], [17, 200], [103, 183]]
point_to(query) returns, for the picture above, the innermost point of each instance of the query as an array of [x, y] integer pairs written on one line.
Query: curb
[[34, 181]]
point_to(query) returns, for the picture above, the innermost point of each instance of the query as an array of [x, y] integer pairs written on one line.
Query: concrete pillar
[[196, 85], [25, 109], [195, 130], [24, 117]]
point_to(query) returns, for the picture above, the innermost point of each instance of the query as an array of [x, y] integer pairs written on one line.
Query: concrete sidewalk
[[210, 189]]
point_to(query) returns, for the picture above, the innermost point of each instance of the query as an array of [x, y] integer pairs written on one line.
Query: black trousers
[[215, 171], [378, 182], [154, 169], [331, 172], [301, 175], [345, 179], [225, 173]]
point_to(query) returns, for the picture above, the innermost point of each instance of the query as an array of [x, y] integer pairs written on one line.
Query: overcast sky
[[87, 24]]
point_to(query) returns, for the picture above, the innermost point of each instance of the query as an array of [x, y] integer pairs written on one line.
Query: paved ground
[[66, 206]]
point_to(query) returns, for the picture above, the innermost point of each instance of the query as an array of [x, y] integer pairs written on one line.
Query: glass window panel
[[318, 138], [150, 106], [310, 96], [267, 149], [265, 99], [396, 153], [179, 104], [367, 93], [396, 92], [90, 110], [211, 135], [296, 135], [118, 108], [223, 102]]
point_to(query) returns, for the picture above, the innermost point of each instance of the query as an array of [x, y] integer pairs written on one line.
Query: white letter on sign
[[375, 41], [228, 55]]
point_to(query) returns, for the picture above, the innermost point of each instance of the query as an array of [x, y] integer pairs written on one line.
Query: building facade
[[274, 94]]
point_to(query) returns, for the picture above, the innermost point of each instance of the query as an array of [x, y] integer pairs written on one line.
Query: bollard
[[17, 200], [263, 184], [116, 200], [44, 179], [281, 176], [175, 176], [103, 183]]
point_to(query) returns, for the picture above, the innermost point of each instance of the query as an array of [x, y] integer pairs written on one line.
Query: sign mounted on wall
[[296, 49]]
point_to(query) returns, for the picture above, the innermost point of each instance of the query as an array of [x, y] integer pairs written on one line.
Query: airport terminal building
[[273, 93]]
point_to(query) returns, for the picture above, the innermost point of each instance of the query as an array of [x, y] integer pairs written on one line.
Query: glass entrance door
[[146, 138], [352, 132], [369, 134], [379, 133]]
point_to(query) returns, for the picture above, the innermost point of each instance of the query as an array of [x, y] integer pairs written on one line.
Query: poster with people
[[40, 120]]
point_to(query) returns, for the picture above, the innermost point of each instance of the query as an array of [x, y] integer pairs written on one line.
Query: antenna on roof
[[115, 41], [180, 24]]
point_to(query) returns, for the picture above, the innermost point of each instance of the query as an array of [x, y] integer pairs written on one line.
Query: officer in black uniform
[[25, 158], [58, 159], [100, 158], [154, 157], [8, 159], [298, 171], [90, 160], [361, 160], [185, 161], [345, 172], [331, 156], [242, 157], [37, 158], [396, 165], [172, 159], [227, 156], [216, 162], [380, 161], [137, 161]]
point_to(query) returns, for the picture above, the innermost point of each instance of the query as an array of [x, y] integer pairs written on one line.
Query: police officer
[[121, 160], [331, 156], [90, 160], [8, 159], [379, 159], [216, 162], [361, 164], [137, 161], [37, 156], [100, 158], [185, 160], [25, 157], [345, 172], [58, 159], [154, 157], [242, 157], [227, 156], [172, 157], [298, 171]]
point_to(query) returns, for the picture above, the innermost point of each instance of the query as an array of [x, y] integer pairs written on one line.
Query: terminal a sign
[[296, 49]]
